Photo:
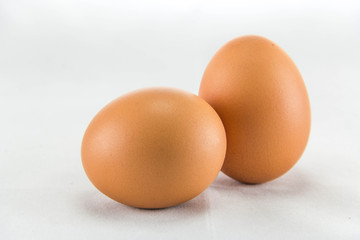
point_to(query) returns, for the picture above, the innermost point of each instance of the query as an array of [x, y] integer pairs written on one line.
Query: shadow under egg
[[98, 205], [292, 183]]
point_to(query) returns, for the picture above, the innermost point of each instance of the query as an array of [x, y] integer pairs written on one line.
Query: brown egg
[[154, 148], [261, 98]]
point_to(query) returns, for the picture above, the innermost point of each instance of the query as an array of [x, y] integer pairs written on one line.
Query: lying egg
[[261, 98], [154, 148]]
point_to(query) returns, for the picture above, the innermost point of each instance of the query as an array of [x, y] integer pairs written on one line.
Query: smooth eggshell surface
[[154, 148], [261, 98]]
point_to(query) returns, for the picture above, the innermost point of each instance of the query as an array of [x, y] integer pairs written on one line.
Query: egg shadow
[[292, 183], [98, 205]]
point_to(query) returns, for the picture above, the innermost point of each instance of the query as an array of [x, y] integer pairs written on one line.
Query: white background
[[62, 61]]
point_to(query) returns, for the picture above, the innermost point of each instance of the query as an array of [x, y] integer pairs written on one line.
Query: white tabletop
[[62, 61]]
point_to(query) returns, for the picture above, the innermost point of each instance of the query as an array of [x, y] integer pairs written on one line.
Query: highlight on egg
[[261, 98], [154, 148]]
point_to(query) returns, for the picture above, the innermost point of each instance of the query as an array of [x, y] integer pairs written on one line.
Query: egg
[[261, 98], [154, 148]]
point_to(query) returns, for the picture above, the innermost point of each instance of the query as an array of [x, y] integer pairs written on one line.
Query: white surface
[[61, 61]]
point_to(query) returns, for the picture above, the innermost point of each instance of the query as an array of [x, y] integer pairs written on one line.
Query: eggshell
[[154, 148], [261, 98]]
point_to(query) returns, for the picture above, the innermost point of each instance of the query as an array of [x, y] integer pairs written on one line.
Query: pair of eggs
[[159, 147]]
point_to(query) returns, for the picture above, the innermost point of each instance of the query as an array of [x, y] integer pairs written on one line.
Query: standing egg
[[154, 148], [261, 98]]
